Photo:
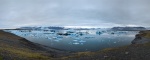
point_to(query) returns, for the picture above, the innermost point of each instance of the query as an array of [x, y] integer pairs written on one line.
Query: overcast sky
[[94, 13]]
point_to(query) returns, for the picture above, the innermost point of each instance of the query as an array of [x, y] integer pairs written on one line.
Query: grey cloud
[[15, 13]]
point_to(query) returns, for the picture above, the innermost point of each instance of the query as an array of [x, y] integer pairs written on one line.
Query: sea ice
[[89, 37], [76, 43], [49, 38], [98, 32], [82, 41], [57, 40], [75, 40]]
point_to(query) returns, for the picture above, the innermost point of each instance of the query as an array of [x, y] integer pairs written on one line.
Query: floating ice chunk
[[76, 43], [57, 40], [49, 33], [49, 38], [98, 32], [82, 41], [89, 37], [75, 40], [59, 37], [113, 33], [54, 37]]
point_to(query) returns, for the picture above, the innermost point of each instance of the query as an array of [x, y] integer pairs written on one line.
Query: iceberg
[[76, 43], [82, 41], [98, 33], [49, 38], [75, 40], [89, 37]]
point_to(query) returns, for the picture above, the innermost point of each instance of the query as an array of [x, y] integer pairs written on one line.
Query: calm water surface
[[78, 40]]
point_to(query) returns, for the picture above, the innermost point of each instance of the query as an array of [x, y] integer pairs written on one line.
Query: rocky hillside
[[13, 47], [142, 37]]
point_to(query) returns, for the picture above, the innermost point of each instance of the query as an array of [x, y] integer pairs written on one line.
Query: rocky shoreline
[[142, 37], [14, 47]]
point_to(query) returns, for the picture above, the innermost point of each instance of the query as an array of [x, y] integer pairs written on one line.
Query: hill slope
[[14, 47]]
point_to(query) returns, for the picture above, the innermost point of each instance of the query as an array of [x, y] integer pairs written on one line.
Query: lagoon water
[[78, 40]]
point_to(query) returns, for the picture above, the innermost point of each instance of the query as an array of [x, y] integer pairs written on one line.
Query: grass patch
[[85, 53], [24, 53], [12, 47], [106, 50], [147, 44], [145, 34], [78, 55], [99, 54], [1, 58]]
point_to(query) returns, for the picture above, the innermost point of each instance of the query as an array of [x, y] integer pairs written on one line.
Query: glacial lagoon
[[78, 40]]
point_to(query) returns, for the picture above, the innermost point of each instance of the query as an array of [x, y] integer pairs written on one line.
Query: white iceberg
[[76, 43]]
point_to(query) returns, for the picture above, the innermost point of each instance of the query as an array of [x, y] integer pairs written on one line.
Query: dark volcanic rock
[[141, 38]]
